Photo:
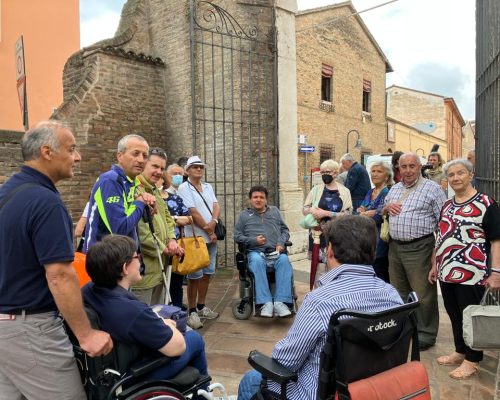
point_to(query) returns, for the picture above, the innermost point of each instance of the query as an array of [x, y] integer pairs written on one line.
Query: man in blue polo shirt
[[357, 181], [36, 276], [116, 205]]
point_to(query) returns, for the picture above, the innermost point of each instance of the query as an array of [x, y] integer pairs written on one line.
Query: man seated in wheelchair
[[349, 283], [263, 233], [113, 265]]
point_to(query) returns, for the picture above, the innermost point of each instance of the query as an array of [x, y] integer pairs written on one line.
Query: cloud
[[99, 20], [444, 80]]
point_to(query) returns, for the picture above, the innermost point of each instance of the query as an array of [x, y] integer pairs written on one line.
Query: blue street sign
[[307, 149]]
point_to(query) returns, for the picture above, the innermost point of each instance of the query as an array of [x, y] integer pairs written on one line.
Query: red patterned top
[[465, 231]]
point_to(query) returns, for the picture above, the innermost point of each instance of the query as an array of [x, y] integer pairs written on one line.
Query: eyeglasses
[[197, 166], [327, 172], [138, 256], [158, 152]]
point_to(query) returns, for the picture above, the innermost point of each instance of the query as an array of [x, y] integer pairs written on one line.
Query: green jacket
[[164, 231]]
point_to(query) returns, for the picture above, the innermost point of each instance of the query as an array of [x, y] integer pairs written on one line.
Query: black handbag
[[220, 229]]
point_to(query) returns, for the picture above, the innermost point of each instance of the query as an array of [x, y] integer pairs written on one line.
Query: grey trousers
[[37, 360], [151, 296], [409, 266]]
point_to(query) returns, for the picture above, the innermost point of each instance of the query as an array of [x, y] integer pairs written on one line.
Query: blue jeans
[[249, 385], [283, 270], [194, 356]]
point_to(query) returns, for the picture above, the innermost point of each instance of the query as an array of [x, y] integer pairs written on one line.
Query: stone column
[[291, 197]]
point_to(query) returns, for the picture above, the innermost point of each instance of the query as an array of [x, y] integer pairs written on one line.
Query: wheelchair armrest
[[146, 366], [270, 368]]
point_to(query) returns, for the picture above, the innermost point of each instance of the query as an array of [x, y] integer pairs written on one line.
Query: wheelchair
[[119, 376], [246, 306], [380, 339]]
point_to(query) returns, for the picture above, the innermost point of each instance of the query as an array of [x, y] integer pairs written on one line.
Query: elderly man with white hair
[[357, 181], [414, 207]]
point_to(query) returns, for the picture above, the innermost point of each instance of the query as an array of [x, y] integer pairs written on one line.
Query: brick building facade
[[341, 79], [468, 137], [436, 115]]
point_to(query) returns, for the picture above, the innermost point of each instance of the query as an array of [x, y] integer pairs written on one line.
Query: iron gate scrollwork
[[233, 91]]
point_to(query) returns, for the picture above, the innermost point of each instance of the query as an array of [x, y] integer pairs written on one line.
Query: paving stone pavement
[[228, 342]]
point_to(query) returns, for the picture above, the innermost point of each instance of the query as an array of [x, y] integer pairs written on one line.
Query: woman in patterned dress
[[468, 230]]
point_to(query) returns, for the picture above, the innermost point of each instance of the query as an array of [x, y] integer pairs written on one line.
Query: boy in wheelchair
[[261, 230], [113, 265]]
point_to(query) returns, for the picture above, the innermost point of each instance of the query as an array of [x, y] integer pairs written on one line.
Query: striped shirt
[[347, 286], [421, 210]]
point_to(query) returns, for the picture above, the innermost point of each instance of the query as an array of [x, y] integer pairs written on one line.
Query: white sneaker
[[281, 309], [194, 321], [207, 313], [267, 310]]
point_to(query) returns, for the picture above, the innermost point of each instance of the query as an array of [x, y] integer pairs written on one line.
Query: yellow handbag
[[195, 254]]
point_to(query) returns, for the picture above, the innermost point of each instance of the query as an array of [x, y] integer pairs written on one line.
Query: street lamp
[[423, 151], [358, 144]]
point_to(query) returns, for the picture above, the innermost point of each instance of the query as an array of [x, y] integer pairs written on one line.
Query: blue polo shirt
[[35, 230], [126, 318]]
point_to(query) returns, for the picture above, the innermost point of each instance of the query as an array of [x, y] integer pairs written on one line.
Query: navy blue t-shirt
[[126, 318], [35, 230]]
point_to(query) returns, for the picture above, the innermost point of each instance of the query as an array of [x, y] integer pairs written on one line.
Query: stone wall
[[344, 45]]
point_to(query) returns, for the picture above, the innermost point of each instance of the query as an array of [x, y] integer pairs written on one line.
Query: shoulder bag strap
[[197, 191], [13, 192]]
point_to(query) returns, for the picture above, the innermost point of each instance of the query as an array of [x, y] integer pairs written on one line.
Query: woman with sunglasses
[[325, 202]]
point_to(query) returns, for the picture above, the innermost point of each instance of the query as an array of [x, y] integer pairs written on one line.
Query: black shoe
[[422, 346]]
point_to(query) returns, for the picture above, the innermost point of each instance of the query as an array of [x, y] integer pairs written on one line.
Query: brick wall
[[345, 46], [10, 153]]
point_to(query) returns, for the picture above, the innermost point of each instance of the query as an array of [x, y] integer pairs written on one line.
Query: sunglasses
[[195, 166], [158, 152]]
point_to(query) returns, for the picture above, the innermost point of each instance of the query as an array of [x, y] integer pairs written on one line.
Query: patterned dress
[[463, 240]]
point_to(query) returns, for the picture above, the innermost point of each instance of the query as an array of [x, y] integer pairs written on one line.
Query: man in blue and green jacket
[[115, 205]]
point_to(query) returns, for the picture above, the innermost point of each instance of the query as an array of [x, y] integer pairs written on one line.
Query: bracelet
[[497, 270], [215, 220], [334, 214]]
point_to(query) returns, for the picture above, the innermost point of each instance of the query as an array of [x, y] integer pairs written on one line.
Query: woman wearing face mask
[[325, 202]]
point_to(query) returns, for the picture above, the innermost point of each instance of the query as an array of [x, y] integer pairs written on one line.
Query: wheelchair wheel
[[156, 393], [242, 310]]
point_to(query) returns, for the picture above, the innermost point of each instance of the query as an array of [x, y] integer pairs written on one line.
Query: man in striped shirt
[[414, 206], [350, 283]]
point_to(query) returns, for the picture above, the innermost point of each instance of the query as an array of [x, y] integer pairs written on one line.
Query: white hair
[[347, 157], [122, 143]]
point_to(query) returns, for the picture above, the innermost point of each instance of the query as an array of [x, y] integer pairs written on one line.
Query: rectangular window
[[326, 83], [326, 152], [367, 89]]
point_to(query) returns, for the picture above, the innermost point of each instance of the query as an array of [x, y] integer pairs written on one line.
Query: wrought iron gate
[[233, 80], [487, 97]]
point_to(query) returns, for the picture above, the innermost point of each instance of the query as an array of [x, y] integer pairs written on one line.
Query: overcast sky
[[429, 43]]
